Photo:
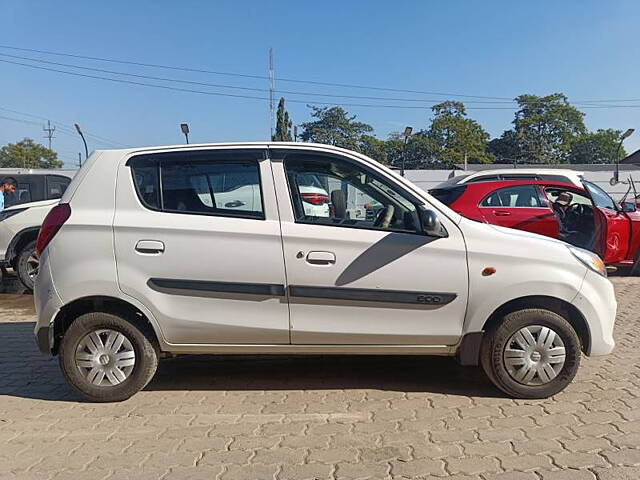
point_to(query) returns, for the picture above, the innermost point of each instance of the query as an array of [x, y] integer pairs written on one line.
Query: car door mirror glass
[[629, 207], [430, 224]]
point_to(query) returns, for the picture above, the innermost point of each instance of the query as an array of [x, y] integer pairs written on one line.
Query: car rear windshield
[[448, 195]]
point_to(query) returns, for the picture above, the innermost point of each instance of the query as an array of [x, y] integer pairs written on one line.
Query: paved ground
[[323, 417]]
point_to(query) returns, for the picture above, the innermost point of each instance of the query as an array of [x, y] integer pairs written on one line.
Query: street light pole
[[407, 134], [616, 173], [86, 150], [185, 129]]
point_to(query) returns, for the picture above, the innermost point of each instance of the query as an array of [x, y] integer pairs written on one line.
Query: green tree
[[455, 136], [420, 152], [545, 128], [334, 126], [505, 149], [28, 154], [375, 148], [597, 147], [283, 124]]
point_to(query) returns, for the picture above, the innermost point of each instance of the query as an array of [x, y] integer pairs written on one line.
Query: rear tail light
[[52, 223], [315, 198]]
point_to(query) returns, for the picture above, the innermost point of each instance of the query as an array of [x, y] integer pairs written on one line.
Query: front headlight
[[10, 213], [589, 259]]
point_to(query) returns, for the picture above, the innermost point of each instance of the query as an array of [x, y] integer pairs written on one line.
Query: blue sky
[[586, 49]]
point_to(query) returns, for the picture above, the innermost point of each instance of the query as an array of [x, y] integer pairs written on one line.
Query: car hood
[[523, 234], [41, 203]]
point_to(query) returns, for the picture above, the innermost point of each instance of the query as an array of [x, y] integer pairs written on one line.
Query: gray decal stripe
[[373, 295], [270, 289]]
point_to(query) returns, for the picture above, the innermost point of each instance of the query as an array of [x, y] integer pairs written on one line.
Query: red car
[[591, 220]]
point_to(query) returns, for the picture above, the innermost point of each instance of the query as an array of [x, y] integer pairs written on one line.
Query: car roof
[[495, 184]]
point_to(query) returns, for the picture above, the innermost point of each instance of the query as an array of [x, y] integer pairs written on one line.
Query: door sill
[[249, 349]]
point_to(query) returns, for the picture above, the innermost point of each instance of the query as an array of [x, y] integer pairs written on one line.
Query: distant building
[[634, 158]]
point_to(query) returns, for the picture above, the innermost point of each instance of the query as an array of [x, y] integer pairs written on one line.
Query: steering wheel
[[577, 209], [383, 220]]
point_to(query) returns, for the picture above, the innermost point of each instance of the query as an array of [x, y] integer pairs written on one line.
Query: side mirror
[[629, 207], [430, 224]]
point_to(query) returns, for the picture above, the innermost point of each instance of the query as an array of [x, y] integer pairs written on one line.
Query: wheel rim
[[534, 355], [105, 357], [33, 263]]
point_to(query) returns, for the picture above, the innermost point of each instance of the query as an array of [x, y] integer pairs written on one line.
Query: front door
[[197, 241], [362, 273], [613, 227]]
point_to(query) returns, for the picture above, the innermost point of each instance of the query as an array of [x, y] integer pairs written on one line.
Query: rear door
[[521, 207], [197, 240], [613, 227]]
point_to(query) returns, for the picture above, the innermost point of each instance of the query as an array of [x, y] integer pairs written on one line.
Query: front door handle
[[321, 258], [150, 246], [501, 213]]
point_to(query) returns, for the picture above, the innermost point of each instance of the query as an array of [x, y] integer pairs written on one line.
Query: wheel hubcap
[[33, 263], [534, 355], [105, 357]]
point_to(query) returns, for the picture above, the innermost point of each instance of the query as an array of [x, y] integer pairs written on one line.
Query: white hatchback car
[[141, 259]]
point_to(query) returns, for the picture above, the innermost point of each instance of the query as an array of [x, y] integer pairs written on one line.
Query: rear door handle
[[321, 258], [501, 213], [150, 246]]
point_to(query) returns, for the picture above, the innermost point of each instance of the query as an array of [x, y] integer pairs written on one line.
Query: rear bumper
[[597, 302], [48, 304], [44, 339]]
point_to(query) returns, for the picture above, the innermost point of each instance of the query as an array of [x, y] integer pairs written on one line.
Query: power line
[[311, 102], [236, 87], [262, 77], [67, 129]]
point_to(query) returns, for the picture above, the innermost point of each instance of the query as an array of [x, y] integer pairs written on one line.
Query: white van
[[138, 260]]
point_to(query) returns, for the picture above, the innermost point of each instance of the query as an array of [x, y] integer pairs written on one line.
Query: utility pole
[[79, 160], [49, 129], [272, 87]]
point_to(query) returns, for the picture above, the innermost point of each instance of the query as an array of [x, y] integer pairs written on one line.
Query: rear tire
[[27, 265], [106, 358], [532, 353]]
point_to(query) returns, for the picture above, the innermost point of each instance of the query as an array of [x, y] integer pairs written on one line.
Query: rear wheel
[[27, 265], [106, 358], [532, 353]]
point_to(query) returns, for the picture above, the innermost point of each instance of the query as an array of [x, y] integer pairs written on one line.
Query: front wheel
[[532, 353], [106, 358]]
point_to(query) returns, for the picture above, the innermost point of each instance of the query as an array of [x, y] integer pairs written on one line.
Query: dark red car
[[592, 220]]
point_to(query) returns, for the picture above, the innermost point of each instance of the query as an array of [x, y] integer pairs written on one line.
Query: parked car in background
[[35, 185], [20, 222], [129, 273], [549, 174], [593, 219]]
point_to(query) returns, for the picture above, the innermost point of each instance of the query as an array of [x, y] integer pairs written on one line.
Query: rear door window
[[216, 187], [56, 186]]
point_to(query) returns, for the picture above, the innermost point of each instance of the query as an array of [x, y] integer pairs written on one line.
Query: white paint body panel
[[571, 176], [93, 255], [31, 217], [203, 248]]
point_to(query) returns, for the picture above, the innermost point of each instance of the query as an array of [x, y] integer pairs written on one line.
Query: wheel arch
[[70, 312], [19, 240], [556, 305]]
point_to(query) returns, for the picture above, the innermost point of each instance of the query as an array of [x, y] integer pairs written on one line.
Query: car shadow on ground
[[26, 373]]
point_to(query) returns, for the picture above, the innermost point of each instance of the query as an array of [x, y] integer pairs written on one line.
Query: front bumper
[[597, 302]]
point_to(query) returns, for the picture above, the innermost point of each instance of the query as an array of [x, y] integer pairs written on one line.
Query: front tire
[[27, 265], [532, 353], [106, 358]]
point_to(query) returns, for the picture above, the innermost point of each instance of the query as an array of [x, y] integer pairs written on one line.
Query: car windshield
[[599, 196]]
